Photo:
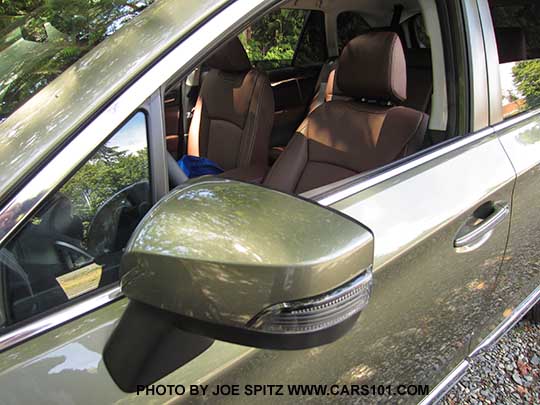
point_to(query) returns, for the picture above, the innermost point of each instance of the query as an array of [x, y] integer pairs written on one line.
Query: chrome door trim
[[510, 122], [508, 323], [492, 63], [330, 194], [333, 193], [58, 318], [451, 379], [485, 228], [446, 384], [24, 203], [477, 66]]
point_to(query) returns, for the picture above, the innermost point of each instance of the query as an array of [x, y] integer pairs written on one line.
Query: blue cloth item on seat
[[195, 166]]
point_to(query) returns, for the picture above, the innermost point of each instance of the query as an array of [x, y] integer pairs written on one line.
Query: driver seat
[[365, 130]]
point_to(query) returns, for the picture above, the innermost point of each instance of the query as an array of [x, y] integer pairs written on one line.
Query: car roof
[[47, 120], [375, 12]]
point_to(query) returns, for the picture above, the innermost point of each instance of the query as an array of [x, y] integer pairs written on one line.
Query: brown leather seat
[[419, 82], [233, 116], [341, 138]]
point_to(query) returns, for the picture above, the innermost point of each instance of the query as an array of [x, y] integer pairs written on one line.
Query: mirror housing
[[249, 265]]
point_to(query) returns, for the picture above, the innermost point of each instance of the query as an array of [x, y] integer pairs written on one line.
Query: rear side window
[[350, 24], [40, 39], [286, 37], [518, 41], [74, 243]]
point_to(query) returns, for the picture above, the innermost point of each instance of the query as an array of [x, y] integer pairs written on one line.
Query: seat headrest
[[230, 57], [511, 44], [372, 66]]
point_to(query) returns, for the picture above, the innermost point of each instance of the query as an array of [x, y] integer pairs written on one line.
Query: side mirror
[[238, 262]]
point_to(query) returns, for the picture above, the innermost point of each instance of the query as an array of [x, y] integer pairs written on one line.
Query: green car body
[[433, 305]]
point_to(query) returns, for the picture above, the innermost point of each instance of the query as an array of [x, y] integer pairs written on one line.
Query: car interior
[[49, 256], [354, 92], [358, 96]]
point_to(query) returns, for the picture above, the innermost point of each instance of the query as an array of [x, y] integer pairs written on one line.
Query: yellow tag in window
[[80, 281]]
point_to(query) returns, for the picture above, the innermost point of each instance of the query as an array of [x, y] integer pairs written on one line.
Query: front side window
[[518, 42], [40, 39], [286, 37], [73, 244]]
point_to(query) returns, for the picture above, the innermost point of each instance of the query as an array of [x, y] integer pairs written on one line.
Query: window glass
[[350, 24], [312, 48], [518, 42], [39, 39], [74, 243], [272, 41]]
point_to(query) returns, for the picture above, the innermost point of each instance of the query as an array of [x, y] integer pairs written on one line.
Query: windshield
[[39, 39]]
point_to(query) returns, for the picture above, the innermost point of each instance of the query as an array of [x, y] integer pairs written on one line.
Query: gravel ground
[[508, 374]]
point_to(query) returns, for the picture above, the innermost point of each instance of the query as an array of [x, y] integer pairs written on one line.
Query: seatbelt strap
[[396, 17], [320, 86], [185, 109], [191, 81]]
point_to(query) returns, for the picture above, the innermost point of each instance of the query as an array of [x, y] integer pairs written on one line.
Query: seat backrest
[[233, 116], [341, 138]]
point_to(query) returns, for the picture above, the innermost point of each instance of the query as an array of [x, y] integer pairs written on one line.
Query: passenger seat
[[363, 131], [419, 82], [233, 116]]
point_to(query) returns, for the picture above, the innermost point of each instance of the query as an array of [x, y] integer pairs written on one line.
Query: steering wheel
[[116, 219]]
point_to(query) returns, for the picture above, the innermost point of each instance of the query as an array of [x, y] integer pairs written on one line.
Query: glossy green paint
[[427, 298], [221, 251], [426, 302], [520, 273], [66, 366], [42, 124]]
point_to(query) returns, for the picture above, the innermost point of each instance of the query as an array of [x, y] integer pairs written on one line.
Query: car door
[[511, 35], [440, 222], [440, 226]]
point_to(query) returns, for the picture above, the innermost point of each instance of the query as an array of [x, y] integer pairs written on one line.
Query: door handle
[[479, 228]]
